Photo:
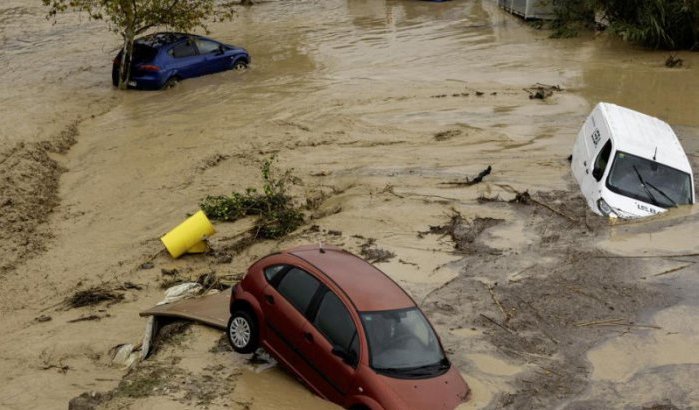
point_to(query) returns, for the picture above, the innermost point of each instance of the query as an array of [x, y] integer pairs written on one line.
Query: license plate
[[132, 83]]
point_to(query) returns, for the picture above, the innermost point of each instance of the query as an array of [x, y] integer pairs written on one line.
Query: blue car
[[161, 60]]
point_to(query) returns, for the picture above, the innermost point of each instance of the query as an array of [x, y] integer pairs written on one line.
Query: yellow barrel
[[187, 235]]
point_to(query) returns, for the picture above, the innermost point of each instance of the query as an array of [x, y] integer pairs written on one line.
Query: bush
[[667, 24], [277, 213]]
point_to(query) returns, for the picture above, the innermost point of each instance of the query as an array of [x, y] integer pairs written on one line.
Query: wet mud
[[374, 104]]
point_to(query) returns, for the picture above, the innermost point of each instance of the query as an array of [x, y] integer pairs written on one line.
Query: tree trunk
[[126, 58], [123, 81]]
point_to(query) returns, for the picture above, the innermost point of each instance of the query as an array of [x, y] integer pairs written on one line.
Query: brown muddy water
[[350, 94]]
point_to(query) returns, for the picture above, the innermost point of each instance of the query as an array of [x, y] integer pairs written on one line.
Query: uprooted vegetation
[[275, 208], [93, 296], [373, 254], [547, 302], [547, 319], [465, 233]]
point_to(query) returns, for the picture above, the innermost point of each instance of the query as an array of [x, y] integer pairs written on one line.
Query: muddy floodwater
[[376, 105]]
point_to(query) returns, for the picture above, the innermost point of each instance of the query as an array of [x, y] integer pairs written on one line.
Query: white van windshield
[[649, 181]]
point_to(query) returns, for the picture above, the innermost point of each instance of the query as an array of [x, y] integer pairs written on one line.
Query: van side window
[[602, 160]]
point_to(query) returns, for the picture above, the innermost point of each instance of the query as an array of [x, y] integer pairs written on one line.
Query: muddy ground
[[378, 106]]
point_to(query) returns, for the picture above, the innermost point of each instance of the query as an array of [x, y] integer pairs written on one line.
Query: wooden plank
[[211, 310]]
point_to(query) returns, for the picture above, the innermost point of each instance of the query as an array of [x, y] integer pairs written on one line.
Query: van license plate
[[132, 83]]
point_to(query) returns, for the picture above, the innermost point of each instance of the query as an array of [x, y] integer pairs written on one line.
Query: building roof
[[640, 134], [367, 287]]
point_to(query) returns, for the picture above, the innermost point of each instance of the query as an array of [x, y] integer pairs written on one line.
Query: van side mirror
[[349, 357]]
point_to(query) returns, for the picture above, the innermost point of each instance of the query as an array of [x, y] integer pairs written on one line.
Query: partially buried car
[[161, 60], [345, 329]]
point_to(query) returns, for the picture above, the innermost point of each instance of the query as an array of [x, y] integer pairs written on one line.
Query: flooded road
[[350, 94]]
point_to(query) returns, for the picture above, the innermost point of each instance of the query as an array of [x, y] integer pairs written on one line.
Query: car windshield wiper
[[672, 201], [429, 368], [643, 184]]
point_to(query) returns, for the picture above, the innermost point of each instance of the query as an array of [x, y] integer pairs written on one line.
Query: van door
[[594, 181], [584, 149]]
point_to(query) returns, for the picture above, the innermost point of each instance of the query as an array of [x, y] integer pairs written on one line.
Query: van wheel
[[242, 332], [240, 65]]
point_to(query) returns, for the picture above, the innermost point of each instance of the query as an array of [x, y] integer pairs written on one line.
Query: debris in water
[[43, 318], [673, 61], [88, 318], [147, 265], [474, 181], [542, 91], [93, 296], [464, 233], [88, 401], [374, 254], [448, 134], [222, 345]]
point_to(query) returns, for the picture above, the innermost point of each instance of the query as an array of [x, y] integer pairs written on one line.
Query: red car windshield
[[402, 343]]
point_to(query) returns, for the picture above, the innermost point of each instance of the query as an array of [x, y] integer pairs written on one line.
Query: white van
[[630, 165]]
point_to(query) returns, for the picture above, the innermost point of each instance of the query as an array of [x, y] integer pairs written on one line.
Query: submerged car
[[345, 329], [630, 165], [161, 60]]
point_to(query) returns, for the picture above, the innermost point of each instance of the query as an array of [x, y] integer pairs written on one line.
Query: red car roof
[[367, 287]]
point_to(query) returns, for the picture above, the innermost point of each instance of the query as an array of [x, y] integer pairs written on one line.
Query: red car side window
[[334, 321], [273, 273], [298, 287]]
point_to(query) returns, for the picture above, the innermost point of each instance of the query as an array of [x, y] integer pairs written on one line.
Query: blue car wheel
[[171, 82], [240, 65]]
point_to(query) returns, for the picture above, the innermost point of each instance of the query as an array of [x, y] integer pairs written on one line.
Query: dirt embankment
[[29, 176]]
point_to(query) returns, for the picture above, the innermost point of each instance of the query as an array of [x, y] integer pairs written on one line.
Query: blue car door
[[214, 55], [186, 62]]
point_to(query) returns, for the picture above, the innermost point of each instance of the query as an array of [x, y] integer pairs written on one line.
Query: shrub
[[275, 207]]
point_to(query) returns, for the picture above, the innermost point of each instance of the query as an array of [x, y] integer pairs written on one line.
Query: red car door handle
[[308, 336], [270, 299]]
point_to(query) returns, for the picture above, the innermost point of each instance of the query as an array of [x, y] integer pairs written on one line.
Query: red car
[[345, 329]]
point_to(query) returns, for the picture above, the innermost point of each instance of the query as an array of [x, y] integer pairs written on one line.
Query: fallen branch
[[616, 322], [674, 269], [478, 179], [496, 323], [525, 197], [645, 256], [597, 322], [499, 305], [86, 318]]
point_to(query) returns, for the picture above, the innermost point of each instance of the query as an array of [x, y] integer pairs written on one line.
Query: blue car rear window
[[143, 53]]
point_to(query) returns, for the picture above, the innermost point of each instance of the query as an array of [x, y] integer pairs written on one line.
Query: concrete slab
[[210, 310]]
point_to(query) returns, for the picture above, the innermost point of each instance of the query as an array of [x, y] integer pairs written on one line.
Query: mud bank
[[343, 93]]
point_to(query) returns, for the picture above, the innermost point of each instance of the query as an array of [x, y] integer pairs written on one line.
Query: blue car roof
[[158, 40]]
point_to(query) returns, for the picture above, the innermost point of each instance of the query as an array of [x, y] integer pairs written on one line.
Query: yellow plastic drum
[[188, 235]]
